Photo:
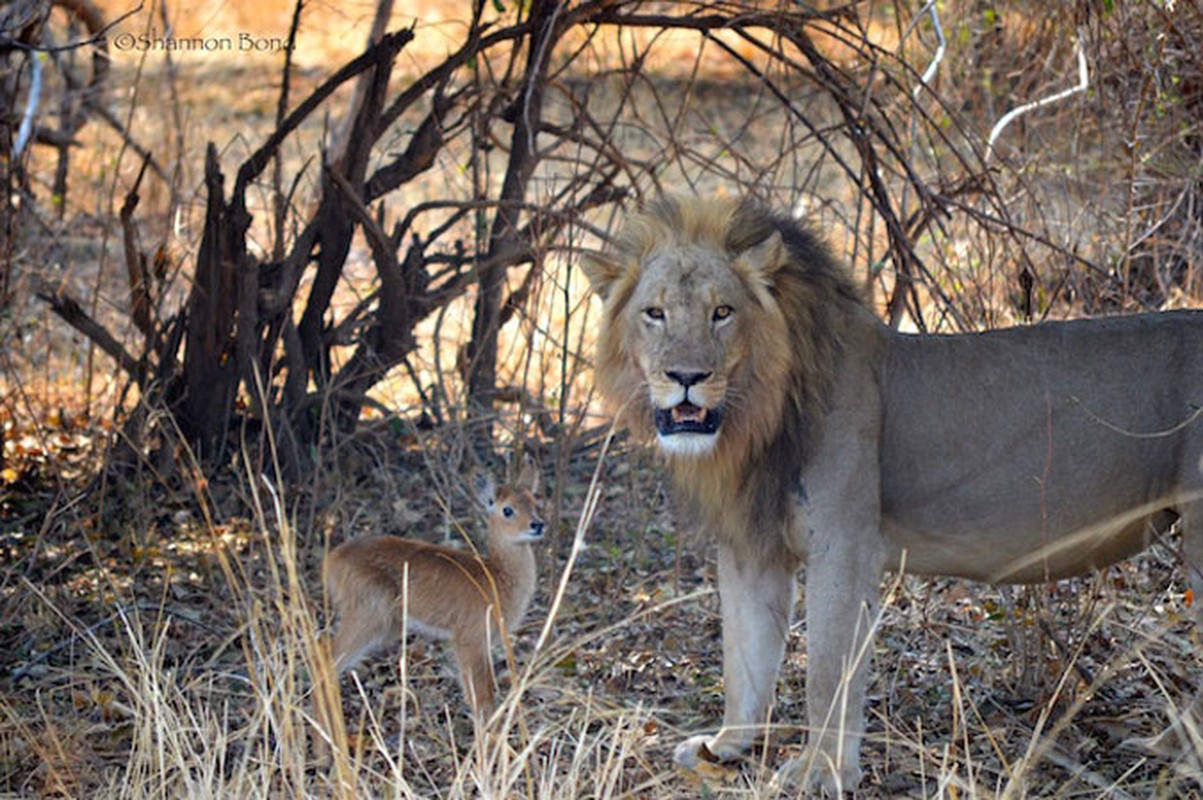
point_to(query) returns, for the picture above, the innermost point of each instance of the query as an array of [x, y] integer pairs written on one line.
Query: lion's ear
[[762, 261], [602, 271]]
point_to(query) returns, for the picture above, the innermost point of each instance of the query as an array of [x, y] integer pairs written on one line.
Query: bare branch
[[384, 51], [70, 311], [135, 261]]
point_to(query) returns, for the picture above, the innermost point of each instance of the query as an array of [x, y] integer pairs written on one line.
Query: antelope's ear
[[528, 476], [486, 489], [601, 270]]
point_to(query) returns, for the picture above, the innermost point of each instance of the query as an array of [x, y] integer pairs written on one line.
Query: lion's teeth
[[688, 413]]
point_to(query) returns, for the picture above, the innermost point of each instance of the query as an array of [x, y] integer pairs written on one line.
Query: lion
[[801, 430]]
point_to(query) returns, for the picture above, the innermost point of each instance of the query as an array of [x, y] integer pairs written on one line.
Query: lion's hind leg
[[1186, 726], [1184, 732]]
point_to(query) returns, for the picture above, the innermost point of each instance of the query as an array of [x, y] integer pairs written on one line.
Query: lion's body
[[801, 429], [996, 445]]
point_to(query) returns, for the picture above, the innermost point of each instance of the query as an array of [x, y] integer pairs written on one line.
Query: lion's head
[[718, 339]]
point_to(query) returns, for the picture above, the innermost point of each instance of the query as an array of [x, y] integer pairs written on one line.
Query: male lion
[[799, 428]]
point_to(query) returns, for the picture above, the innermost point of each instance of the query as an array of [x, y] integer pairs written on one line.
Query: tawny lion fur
[[800, 429]]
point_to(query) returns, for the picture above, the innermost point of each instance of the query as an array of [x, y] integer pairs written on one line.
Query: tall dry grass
[[232, 712], [244, 725]]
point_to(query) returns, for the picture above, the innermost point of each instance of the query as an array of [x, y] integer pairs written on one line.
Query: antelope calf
[[375, 583]]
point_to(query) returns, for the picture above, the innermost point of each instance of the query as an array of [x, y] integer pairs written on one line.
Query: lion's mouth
[[688, 418]]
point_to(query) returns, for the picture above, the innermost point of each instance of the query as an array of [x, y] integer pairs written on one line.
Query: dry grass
[[187, 667]]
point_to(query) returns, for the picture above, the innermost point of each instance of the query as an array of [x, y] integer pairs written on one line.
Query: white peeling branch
[[25, 132], [929, 9], [1010, 116]]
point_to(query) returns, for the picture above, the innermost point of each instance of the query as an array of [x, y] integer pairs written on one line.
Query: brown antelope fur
[[376, 582]]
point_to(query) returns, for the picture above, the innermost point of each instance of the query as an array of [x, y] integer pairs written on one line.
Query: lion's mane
[[741, 492]]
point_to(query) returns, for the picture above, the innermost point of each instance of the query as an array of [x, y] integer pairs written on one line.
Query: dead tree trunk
[[226, 332], [526, 113], [211, 364]]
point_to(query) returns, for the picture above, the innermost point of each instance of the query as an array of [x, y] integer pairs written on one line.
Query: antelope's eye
[[722, 312], [653, 314], [507, 512]]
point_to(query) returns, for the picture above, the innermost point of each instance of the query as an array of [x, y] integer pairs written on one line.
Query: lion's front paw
[[706, 749], [816, 774]]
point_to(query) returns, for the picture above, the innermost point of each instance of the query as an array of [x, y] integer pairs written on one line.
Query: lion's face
[[686, 322], [693, 342]]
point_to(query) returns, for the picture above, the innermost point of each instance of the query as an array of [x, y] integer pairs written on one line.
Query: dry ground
[[163, 641]]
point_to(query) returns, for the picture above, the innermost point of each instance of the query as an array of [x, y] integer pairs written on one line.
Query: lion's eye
[[722, 312], [653, 314]]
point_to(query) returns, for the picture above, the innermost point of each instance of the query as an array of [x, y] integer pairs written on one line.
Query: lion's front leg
[[757, 601], [842, 586]]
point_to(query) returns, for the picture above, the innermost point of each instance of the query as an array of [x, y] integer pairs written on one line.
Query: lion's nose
[[688, 379]]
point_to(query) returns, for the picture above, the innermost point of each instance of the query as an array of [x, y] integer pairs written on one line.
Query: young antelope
[[377, 582]]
